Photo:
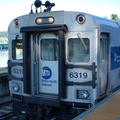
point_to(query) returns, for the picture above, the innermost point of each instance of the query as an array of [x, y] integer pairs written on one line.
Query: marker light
[[80, 19], [16, 23], [44, 20]]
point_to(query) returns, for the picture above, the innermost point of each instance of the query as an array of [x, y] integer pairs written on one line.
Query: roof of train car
[[106, 21], [101, 20], [97, 20]]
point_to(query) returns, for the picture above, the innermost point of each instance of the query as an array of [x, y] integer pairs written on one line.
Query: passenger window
[[17, 51], [79, 50], [49, 49]]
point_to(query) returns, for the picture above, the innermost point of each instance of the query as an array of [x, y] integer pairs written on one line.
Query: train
[[61, 62]]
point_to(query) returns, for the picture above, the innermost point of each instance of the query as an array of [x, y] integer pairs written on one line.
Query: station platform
[[3, 72], [107, 109]]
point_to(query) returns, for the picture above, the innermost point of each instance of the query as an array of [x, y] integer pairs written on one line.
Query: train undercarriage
[[25, 110]]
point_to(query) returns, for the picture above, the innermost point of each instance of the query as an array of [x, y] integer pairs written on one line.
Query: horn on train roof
[[38, 4]]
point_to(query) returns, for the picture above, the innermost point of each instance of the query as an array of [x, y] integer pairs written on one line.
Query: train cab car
[[61, 62]]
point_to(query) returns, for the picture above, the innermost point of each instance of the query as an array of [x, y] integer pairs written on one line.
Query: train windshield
[[49, 49], [17, 52], [79, 50]]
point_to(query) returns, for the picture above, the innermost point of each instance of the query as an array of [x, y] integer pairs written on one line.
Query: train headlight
[[50, 19], [82, 94], [44, 20], [16, 88], [39, 20]]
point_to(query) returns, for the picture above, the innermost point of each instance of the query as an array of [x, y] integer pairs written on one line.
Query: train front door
[[44, 56], [104, 55], [48, 64]]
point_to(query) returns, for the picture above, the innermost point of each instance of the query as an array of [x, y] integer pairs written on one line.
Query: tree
[[115, 17]]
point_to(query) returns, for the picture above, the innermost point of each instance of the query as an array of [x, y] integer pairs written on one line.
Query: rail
[[6, 111]]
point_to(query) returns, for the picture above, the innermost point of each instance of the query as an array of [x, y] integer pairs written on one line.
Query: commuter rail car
[[61, 62]]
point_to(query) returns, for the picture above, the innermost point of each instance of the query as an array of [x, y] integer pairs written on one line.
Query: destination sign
[[3, 47], [3, 44]]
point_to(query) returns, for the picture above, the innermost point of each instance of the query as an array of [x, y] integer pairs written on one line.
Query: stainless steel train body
[[61, 61]]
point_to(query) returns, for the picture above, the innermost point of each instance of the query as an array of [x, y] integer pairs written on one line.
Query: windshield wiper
[[86, 48]]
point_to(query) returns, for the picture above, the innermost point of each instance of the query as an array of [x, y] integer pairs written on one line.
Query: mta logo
[[46, 72], [116, 57]]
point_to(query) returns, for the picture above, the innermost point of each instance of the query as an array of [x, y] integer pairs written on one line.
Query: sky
[[10, 9]]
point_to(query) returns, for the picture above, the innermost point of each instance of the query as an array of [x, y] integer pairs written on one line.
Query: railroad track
[[6, 111]]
